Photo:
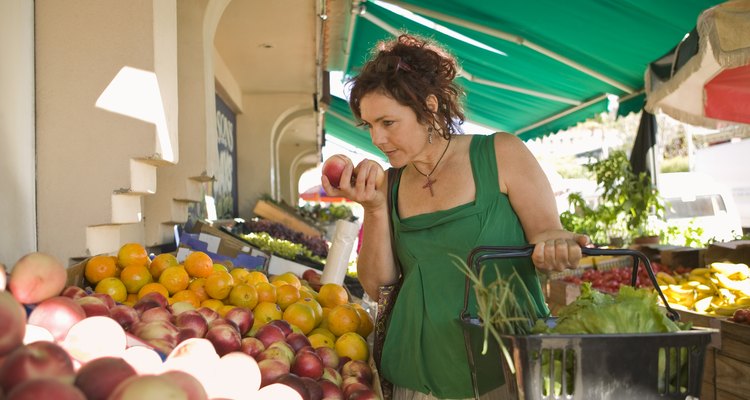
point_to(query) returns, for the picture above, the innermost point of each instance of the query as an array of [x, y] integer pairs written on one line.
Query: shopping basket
[[590, 367]]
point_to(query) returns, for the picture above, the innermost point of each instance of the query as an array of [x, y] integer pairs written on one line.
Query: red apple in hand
[[333, 167]]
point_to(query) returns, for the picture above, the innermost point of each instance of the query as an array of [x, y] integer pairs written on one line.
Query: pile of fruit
[[160, 329], [719, 289], [609, 281]]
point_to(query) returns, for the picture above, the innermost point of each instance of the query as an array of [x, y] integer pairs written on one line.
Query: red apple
[[157, 314], [93, 306], [107, 299], [192, 321], [74, 292], [208, 313], [296, 383], [242, 317], [100, 376], [125, 315], [269, 334], [329, 356], [285, 327], [331, 391], [57, 315], [270, 370], [357, 368], [313, 388], [307, 364], [12, 323], [148, 387], [37, 277], [251, 346], [45, 388], [333, 167], [36, 360], [189, 384], [363, 394], [331, 374], [225, 339], [297, 340]]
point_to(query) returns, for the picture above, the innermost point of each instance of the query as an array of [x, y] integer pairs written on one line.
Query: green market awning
[[556, 61]]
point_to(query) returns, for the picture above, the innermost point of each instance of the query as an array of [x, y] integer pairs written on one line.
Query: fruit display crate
[[270, 211], [602, 263]]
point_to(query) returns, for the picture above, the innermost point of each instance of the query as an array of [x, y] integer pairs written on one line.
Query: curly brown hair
[[409, 69]]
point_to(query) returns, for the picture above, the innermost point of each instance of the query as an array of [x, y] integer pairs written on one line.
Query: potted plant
[[628, 207]]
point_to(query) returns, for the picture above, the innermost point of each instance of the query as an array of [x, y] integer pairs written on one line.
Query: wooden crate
[[274, 213]]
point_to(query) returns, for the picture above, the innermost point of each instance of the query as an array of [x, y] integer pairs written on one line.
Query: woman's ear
[[432, 103]]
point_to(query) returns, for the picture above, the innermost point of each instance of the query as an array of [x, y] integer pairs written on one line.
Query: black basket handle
[[484, 253]]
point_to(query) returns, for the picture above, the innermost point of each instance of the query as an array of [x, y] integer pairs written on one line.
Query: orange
[[365, 326], [266, 292], [306, 291], [243, 295], [188, 296], [300, 315], [223, 310], [286, 295], [153, 287], [198, 264], [174, 279], [113, 287], [220, 267], [289, 278], [135, 277], [325, 332], [160, 263], [100, 267], [332, 295], [239, 274], [317, 309], [343, 319], [353, 346], [256, 277], [212, 304], [266, 312], [198, 286], [219, 284], [132, 254], [321, 340], [131, 298]]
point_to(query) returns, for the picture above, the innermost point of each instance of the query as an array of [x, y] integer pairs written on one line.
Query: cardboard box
[[737, 251], [685, 257], [275, 213], [230, 253]]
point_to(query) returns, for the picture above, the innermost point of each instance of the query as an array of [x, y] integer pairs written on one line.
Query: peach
[[95, 337], [296, 383], [180, 307], [12, 323], [331, 374], [363, 394], [331, 391], [106, 298], [150, 300], [193, 321], [251, 346], [353, 387], [307, 364], [269, 334], [208, 313], [189, 384], [93, 306], [357, 368], [57, 315], [333, 167], [285, 327], [37, 277], [45, 388], [313, 388], [148, 387], [98, 378], [36, 360], [157, 314], [271, 369], [297, 340], [278, 391], [225, 339], [242, 317], [74, 292], [329, 356], [125, 315]]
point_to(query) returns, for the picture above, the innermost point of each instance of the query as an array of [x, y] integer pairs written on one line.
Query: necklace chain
[[428, 184]]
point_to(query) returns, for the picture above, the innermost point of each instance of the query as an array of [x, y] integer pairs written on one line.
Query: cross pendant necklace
[[428, 184]]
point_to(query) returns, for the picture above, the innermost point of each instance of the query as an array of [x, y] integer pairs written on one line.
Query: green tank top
[[424, 348]]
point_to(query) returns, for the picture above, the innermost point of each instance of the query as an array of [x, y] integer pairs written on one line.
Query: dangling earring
[[429, 135]]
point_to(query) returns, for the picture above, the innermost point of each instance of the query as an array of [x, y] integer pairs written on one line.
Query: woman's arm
[[531, 197]]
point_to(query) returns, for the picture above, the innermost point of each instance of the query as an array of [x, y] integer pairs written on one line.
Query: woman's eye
[[387, 123]]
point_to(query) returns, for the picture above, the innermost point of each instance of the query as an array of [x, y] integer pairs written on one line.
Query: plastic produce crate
[[595, 367]]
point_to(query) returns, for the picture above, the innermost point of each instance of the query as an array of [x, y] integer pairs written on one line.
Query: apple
[[37, 277], [57, 315], [333, 167], [189, 384], [357, 368], [93, 306], [331, 374], [125, 315], [45, 388], [193, 321], [283, 325], [12, 323], [107, 299], [242, 317], [36, 360], [99, 377], [271, 369], [363, 394], [225, 339], [148, 387], [251, 346], [307, 364], [297, 341], [156, 314], [331, 391], [150, 300], [74, 292], [269, 334], [329, 356], [208, 313]]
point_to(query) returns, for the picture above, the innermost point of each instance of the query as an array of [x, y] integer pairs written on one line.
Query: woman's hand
[[558, 250], [363, 183]]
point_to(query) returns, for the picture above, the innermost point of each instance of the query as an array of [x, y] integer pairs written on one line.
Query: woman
[[453, 192]]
